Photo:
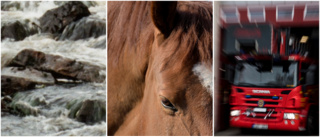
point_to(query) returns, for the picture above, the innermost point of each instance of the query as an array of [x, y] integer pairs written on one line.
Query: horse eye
[[167, 104]]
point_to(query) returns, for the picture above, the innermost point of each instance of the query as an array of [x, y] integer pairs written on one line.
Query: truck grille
[[262, 116], [273, 105], [266, 103], [262, 97], [269, 101]]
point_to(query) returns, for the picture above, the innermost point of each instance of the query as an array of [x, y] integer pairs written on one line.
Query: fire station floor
[[232, 131]]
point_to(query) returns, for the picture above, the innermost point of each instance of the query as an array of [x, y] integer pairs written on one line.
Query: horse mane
[[191, 36], [129, 23], [198, 18]]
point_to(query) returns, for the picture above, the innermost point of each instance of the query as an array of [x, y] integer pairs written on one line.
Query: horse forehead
[[204, 74]]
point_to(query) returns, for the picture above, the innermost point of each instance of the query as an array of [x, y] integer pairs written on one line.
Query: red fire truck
[[275, 66], [275, 92]]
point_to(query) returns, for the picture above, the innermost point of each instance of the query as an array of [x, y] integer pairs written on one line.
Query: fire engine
[[273, 55]]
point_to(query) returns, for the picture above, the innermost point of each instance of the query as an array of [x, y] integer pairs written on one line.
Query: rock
[[91, 111], [87, 111], [4, 103], [58, 66], [7, 99], [87, 3], [19, 30], [14, 79], [14, 31], [11, 85], [85, 28], [55, 20], [28, 73]]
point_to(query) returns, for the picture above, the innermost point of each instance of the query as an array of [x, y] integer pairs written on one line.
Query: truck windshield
[[266, 74]]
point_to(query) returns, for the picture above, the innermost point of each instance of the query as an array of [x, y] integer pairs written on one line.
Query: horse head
[[175, 93]]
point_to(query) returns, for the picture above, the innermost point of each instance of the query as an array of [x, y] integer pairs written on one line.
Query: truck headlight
[[290, 116], [235, 113]]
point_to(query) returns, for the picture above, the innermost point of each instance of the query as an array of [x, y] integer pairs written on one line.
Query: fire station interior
[[263, 36], [302, 40], [299, 40]]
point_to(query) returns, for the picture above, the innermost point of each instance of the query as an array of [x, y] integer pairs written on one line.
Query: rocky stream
[[53, 68]]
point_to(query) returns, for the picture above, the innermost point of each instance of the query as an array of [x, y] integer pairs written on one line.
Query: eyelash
[[165, 101]]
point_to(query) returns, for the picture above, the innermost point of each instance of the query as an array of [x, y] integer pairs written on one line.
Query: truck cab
[[275, 93], [269, 66]]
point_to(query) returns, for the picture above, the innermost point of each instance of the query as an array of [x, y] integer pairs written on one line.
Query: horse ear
[[163, 13]]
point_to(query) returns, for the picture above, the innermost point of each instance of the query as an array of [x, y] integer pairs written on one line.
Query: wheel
[[313, 121]]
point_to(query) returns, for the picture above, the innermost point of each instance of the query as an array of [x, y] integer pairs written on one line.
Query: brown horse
[[160, 68]]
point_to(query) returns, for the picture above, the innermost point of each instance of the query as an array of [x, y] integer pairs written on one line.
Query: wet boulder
[[55, 20], [15, 79], [5, 100], [87, 3], [58, 66], [91, 111], [85, 28], [19, 30], [11, 85], [87, 111], [14, 31]]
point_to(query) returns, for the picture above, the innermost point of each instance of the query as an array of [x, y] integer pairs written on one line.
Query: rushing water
[[50, 105]]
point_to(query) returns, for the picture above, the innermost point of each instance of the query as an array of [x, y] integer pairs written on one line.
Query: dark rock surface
[[11, 85], [85, 28], [58, 66], [18, 30], [91, 111], [55, 20], [14, 30], [14, 79], [5, 101]]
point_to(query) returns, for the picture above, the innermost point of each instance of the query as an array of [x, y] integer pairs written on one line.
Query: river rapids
[[53, 109]]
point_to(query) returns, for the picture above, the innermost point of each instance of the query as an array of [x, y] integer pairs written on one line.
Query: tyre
[[313, 121]]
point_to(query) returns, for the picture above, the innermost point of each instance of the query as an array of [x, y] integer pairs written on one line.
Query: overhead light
[[304, 39]]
